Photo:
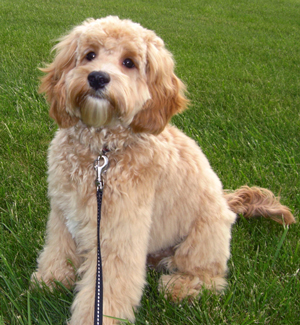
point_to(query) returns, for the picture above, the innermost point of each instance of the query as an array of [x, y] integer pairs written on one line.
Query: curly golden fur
[[112, 84]]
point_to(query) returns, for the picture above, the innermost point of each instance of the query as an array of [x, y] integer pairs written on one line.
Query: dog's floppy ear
[[166, 90], [53, 83]]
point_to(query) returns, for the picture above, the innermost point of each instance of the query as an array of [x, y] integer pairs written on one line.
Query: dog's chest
[[72, 189], [72, 226], [81, 211]]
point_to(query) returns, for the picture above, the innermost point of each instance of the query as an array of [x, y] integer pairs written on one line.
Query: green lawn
[[241, 63]]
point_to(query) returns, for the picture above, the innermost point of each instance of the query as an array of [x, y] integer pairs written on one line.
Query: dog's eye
[[128, 63], [90, 56]]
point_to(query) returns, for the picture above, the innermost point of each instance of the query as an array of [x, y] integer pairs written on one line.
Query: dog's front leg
[[58, 257], [124, 239]]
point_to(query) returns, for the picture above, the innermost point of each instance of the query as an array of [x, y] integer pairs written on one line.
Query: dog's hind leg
[[200, 260]]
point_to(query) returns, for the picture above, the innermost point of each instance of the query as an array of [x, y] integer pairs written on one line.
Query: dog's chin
[[97, 112]]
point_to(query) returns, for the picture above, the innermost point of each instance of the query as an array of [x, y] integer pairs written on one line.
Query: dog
[[112, 85]]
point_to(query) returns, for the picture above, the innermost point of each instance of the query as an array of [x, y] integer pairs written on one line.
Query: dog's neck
[[112, 138]]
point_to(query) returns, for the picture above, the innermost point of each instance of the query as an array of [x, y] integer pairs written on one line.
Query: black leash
[[100, 165]]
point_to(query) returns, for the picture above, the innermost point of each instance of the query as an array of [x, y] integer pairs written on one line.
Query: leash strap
[[98, 315], [100, 165]]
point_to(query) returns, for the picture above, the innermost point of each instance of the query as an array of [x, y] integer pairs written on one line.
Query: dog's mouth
[[98, 94], [102, 97]]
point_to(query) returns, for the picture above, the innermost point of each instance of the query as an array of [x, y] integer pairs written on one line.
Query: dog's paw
[[179, 286], [36, 280]]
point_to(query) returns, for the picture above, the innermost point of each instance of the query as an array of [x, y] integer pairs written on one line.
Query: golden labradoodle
[[112, 85]]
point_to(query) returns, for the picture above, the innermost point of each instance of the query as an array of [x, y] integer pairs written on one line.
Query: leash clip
[[100, 165]]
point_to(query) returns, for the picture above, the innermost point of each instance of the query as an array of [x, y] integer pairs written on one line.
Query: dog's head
[[110, 71]]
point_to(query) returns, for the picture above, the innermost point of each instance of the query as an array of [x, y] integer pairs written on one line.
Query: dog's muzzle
[[98, 79]]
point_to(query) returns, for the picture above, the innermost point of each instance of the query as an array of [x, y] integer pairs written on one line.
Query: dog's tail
[[255, 202]]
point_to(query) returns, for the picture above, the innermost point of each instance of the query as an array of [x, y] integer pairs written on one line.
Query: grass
[[240, 61]]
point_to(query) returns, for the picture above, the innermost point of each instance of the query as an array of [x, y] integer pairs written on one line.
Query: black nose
[[98, 79]]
